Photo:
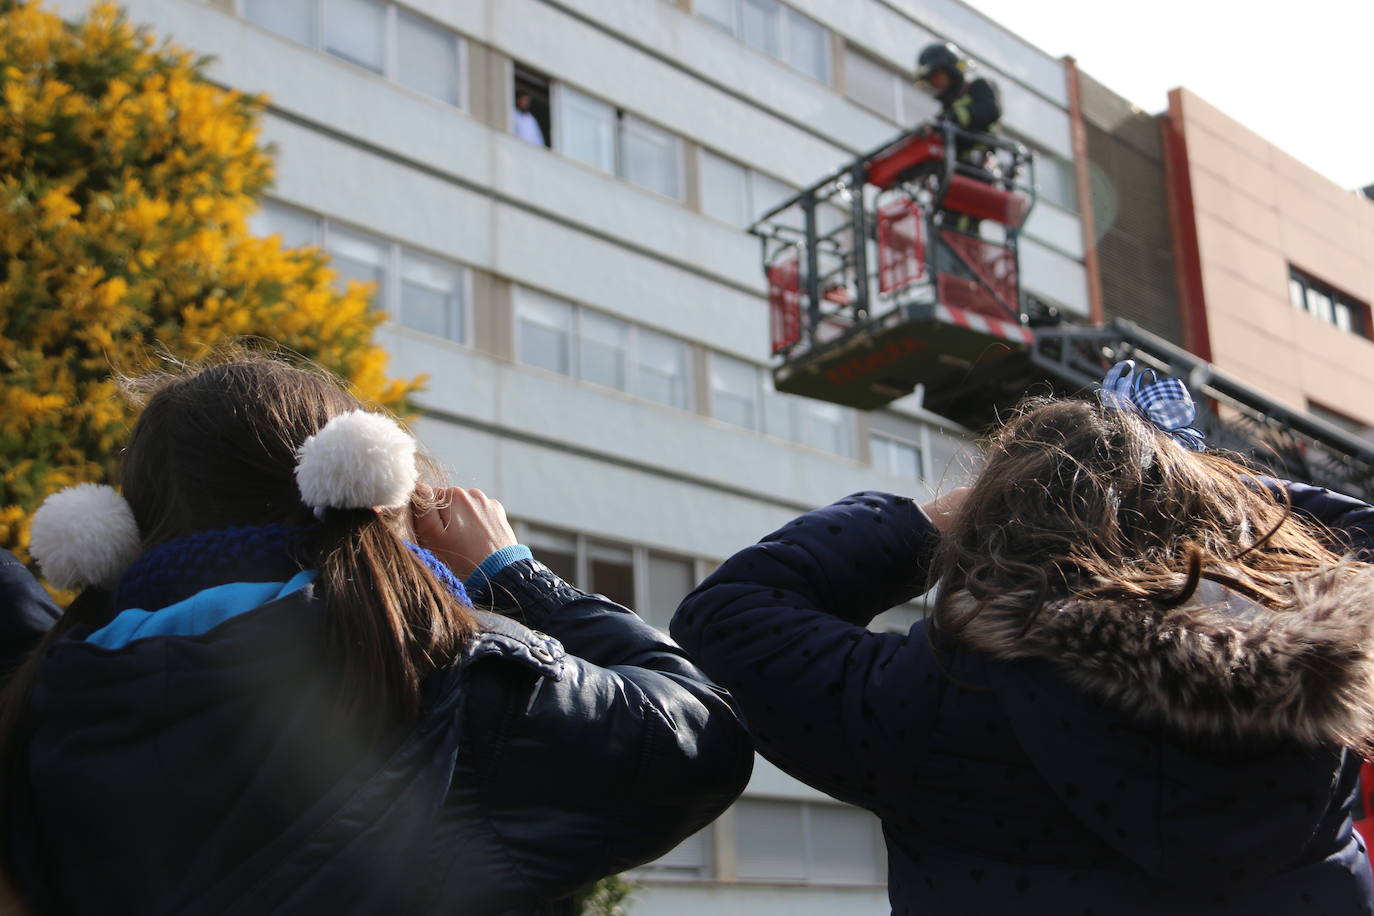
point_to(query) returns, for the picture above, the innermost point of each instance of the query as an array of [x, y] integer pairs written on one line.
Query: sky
[[1303, 82]]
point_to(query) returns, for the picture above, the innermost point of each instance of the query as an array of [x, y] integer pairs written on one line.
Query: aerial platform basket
[[900, 269]]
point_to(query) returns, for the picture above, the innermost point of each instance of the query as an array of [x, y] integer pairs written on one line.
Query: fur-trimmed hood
[[1220, 665]]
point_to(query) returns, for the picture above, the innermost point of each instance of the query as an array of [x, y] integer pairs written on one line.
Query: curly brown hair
[[1080, 500]]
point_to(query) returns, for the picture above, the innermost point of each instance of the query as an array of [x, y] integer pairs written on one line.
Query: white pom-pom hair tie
[[84, 535], [358, 460]]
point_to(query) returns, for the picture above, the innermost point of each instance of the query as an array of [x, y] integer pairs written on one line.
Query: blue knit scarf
[[177, 569]]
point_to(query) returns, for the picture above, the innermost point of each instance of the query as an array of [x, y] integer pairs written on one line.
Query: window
[[721, 12], [1327, 304], [760, 24], [612, 572], [432, 296], [823, 426], [604, 344], [563, 338], [616, 570], [724, 190], [871, 84], [670, 579], [535, 86], [692, 858], [649, 157], [544, 331], [734, 391], [741, 394], [896, 457], [361, 257], [556, 550], [293, 18], [661, 369], [430, 293], [1056, 180], [586, 128], [766, 193], [611, 140], [735, 194], [427, 58], [807, 842], [844, 845], [1341, 421], [296, 227], [356, 31], [808, 46], [782, 32], [889, 92], [374, 34]]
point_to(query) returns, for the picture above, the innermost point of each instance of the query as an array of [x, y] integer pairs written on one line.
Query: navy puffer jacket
[[1105, 762], [210, 773]]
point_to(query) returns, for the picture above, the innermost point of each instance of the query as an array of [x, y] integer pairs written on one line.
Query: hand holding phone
[[463, 528]]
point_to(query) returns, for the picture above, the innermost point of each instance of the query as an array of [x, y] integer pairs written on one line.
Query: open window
[[533, 86]]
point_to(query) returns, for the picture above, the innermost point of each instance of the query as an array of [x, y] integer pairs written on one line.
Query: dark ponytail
[[390, 621]]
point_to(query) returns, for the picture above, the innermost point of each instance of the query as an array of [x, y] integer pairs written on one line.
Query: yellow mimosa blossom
[[125, 193]]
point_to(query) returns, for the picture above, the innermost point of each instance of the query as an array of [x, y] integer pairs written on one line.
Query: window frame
[[790, 405], [782, 35], [632, 363], [1358, 319], [920, 448], [808, 846], [466, 290], [390, 46], [622, 123]]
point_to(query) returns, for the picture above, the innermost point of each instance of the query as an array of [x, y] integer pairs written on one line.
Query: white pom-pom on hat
[[358, 460], [84, 535]]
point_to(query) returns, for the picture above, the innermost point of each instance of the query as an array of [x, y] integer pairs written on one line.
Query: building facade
[[574, 280], [1275, 265]]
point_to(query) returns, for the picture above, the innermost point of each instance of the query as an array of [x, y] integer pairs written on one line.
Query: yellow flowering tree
[[126, 180]]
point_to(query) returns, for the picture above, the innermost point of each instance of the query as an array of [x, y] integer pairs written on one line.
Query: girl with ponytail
[[277, 693]]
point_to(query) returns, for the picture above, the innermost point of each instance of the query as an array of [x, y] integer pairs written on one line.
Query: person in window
[[1145, 686], [300, 682], [523, 122]]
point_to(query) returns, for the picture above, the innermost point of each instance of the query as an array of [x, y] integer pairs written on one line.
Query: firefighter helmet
[[941, 56]]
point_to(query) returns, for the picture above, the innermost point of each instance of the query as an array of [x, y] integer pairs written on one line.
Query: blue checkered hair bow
[[1165, 402]]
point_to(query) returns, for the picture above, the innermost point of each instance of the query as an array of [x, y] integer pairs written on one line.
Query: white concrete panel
[[757, 899], [1061, 279], [1053, 226], [320, 173], [1036, 119], [680, 504], [571, 264], [554, 488], [584, 195]]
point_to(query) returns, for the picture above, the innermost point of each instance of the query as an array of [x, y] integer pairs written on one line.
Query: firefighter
[[971, 103]]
